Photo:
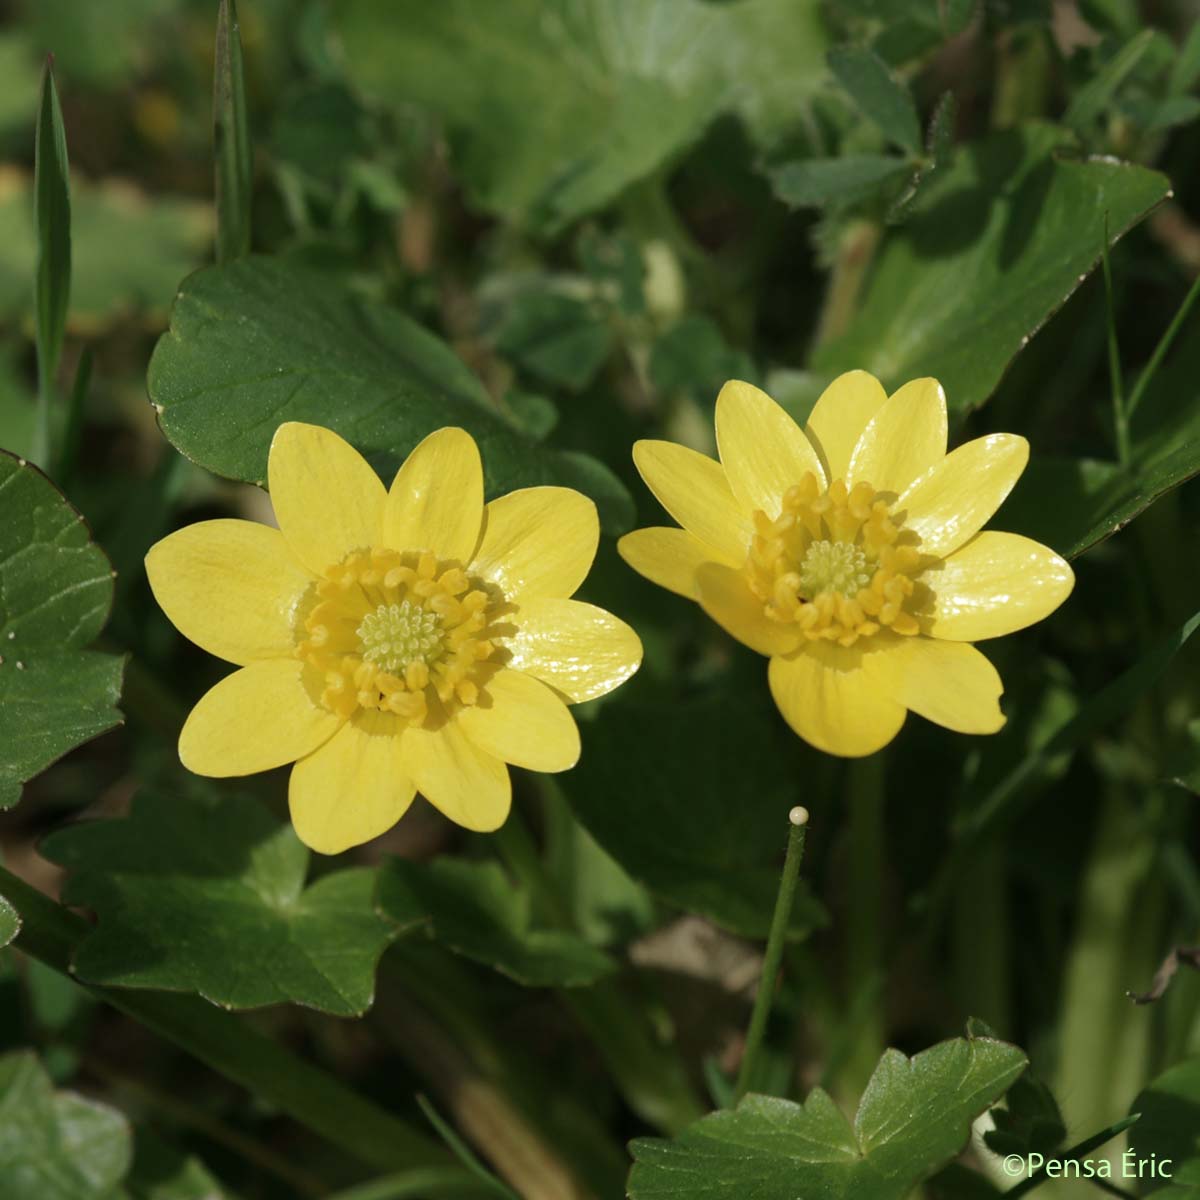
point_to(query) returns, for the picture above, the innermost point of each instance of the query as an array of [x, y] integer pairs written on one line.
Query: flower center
[[833, 567], [395, 635], [838, 564], [399, 633]]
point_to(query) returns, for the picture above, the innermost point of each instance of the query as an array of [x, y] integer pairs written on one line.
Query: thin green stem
[[797, 832], [1083, 1148], [230, 1046], [1119, 411], [426, 1181], [1160, 351]]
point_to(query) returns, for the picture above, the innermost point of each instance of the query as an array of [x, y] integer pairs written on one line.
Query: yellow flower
[[850, 554], [390, 642]]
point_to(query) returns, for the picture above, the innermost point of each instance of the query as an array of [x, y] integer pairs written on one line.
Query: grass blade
[[52, 285], [231, 139]]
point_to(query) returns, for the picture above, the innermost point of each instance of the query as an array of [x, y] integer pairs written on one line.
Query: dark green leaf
[[56, 588], [56, 1145], [633, 83], [558, 338], [692, 798], [957, 1182], [231, 139], [1169, 1127], [995, 244], [10, 922], [815, 182], [258, 342], [913, 1118], [878, 95], [160, 1172], [206, 894], [474, 910], [1029, 1123]]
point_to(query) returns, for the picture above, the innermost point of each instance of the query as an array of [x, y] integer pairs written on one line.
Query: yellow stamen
[[838, 565], [399, 633]]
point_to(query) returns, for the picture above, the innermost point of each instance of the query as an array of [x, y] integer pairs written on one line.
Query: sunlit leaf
[[56, 588], [207, 895], [258, 342], [913, 1118], [10, 922], [994, 245]]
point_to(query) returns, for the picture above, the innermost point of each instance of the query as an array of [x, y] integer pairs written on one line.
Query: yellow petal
[[949, 683], [579, 650], [839, 417], [232, 587], [669, 557], [539, 541], [328, 501], [725, 596], [436, 500], [260, 717], [521, 721], [467, 784], [903, 439], [764, 452], [353, 788], [693, 488], [954, 499], [996, 584], [832, 697]]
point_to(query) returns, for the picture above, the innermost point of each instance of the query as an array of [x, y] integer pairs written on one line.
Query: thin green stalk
[[52, 283], [1119, 411], [1080, 1151], [231, 139], [230, 1046], [418, 1184], [1164, 344], [648, 1074], [797, 832]]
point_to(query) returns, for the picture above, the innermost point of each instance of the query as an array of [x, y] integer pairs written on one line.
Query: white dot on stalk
[[798, 815]]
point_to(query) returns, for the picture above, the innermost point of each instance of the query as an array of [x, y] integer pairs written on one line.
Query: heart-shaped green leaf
[[914, 1117], [258, 342], [994, 245], [56, 1145], [474, 910], [206, 894], [56, 588]]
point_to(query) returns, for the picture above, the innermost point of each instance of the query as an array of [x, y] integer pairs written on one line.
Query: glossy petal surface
[[260, 717], [538, 542], [353, 788], [694, 489], [436, 499], [995, 584], [953, 500], [903, 440], [764, 452], [232, 587], [468, 785], [578, 649], [839, 417], [521, 721], [832, 697], [328, 501]]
